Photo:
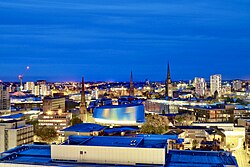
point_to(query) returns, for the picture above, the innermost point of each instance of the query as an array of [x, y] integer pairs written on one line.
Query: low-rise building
[[56, 119], [113, 151]]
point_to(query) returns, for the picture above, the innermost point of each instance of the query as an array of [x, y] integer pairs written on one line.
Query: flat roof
[[200, 158], [117, 141], [84, 127], [40, 155]]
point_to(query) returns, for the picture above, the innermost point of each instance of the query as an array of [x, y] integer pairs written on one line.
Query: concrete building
[[200, 86], [56, 119], [14, 133], [4, 98], [113, 151], [53, 103], [237, 85], [215, 84], [29, 86]]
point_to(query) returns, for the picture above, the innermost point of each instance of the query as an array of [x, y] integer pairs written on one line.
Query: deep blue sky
[[105, 39]]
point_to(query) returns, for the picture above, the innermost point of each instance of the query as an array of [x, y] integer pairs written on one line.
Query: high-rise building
[[15, 133], [29, 86], [215, 84], [83, 107], [4, 98], [53, 103], [168, 84], [237, 85], [200, 86], [131, 85]]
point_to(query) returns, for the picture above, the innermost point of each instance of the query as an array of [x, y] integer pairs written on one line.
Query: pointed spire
[[168, 82], [131, 85], [83, 108], [169, 77]]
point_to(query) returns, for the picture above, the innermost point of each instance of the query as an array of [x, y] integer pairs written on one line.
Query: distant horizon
[[105, 40], [126, 81]]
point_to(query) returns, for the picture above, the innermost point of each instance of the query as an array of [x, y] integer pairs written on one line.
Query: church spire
[[168, 82], [131, 85], [83, 108]]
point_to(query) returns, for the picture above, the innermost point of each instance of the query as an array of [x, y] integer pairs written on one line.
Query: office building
[[4, 99], [200, 86], [215, 84], [55, 119], [29, 86], [53, 103], [114, 151], [14, 133]]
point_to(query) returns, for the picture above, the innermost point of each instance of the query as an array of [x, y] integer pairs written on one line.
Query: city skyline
[[62, 41]]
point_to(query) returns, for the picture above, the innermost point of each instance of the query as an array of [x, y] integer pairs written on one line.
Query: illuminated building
[[41, 88], [226, 89], [200, 86], [215, 84], [131, 114], [4, 98], [29, 86], [145, 150], [55, 118], [237, 85], [168, 84], [53, 103], [14, 133]]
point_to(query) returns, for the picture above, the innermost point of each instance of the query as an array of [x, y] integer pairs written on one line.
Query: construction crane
[[20, 77]]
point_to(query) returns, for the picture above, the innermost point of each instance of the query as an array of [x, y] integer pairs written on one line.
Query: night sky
[[106, 39]]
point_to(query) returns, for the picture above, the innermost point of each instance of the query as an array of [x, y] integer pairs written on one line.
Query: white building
[[200, 86], [215, 84], [29, 86], [15, 133]]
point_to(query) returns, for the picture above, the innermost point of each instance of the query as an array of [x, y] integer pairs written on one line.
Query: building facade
[[215, 84], [200, 86], [15, 133], [53, 103], [55, 119], [4, 98]]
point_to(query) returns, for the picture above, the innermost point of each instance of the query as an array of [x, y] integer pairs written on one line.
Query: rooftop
[[117, 141], [84, 127], [41, 155], [14, 116]]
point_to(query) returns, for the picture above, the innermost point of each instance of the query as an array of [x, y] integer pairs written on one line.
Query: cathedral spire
[[83, 108], [131, 85], [168, 86]]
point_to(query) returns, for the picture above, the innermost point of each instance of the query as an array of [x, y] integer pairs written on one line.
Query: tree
[[47, 134], [155, 124], [194, 144], [75, 120], [185, 119]]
